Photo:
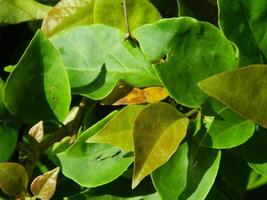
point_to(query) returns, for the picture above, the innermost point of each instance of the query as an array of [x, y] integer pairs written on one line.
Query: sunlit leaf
[[16, 11], [243, 90], [97, 57], [146, 95], [189, 174], [37, 131], [249, 19], [13, 179], [119, 130], [44, 186], [69, 13], [227, 130], [92, 165], [38, 88], [158, 131], [185, 51]]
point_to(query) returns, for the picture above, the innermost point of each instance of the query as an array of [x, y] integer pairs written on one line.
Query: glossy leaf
[[16, 11], [249, 19], [92, 165], [146, 95], [38, 88], [96, 57], [186, 52], [8, 141], [189, 174], [68, 13], [256, 180], [44, 186], [13, 179], [159, 128], [255, 152], [140, 12], [37, 131], [228, 130], [3, 110], [250, 83], [119, 130]]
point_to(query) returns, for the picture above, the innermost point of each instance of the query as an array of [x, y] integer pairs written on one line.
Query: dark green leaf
[[96, 57], [244, 22], [189, 174], [255, 151], [8, 141], [13, 179], [38, 88], [243, 90], [194, 50], [159, 129], [92, 165]]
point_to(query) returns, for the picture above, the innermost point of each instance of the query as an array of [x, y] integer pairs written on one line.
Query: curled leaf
[[37, 131], [44, 186]]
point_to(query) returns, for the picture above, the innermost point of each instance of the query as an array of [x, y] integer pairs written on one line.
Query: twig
[[128, 34]]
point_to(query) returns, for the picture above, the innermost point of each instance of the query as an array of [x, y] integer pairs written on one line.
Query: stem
[[70, 129], [191, 112], [128, 34]]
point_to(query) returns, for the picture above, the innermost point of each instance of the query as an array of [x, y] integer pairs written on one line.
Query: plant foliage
[[134, 99]]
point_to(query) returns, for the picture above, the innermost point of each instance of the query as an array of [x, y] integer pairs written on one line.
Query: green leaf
[[250, 83], [189, 174], [256, 180], [249, 19], [255, 151], [96, 57], [192, 54], [68, 13], [44, 186], [8, 141], [16, 11], [3, 110], [119, 130], [228, 130], [38, 88], [84, 12], [97, 164], [140, 12], [13, 179], [159, 129]]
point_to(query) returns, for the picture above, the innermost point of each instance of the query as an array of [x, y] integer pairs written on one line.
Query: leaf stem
[[191, 112], [127, 26]]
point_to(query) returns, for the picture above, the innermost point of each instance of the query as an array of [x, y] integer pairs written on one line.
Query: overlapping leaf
[[189, 174], [243, 90], [38, 88], [69, 13], [119, 130], [227, 130], [249, 19], [13, 179], [159, 129], [16, 11], [188, 51], [96, 58], [92, 165]]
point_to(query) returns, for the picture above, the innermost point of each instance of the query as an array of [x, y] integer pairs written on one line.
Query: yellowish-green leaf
[[158, 131], [119, 130], [44, 186], [68, 13], [37, 131], [13, 179], [244, 90], [146, 95]]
